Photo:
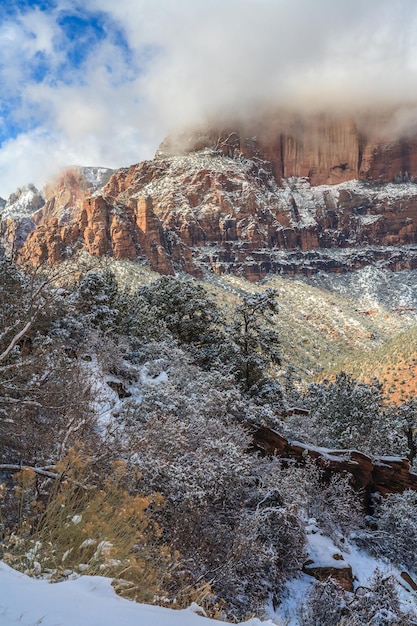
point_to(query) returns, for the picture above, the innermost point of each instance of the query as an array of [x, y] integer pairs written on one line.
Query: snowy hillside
[[23, 203], [128, 451], [92, 601], [87, 601]]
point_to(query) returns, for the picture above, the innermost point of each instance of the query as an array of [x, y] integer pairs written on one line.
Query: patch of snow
[[321, 549], [162, 377], [86, 601], [106, 404], [366, 220], [24, 202], [374, 287], [391, 459], [97, 176]]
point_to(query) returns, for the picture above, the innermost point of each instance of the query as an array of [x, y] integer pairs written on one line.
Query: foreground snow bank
[[87, 601]]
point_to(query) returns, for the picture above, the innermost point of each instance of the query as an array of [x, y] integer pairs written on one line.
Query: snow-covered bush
[[376, 604], [395, 536], [324, 605], [42, 397], [331, 501], [268, 549], [90, 528], [185, 440], [328, 499], [347, 413]]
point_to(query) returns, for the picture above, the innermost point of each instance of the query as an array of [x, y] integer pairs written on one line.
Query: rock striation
[[385, 475], [280, 200], [325, 148]]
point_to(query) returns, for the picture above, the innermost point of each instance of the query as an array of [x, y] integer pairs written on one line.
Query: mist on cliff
[[160, 66], [221, 58]]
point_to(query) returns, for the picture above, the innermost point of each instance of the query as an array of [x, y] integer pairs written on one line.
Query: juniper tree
[[96, 299]]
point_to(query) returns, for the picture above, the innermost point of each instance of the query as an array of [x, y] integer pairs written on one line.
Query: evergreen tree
[[96, 299], [348, 413], [188, 313], [254, 340]]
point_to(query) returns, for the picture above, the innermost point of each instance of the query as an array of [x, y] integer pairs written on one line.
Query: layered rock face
[[40, 227], [16, 217], [385, 475], [233, 201], [326, 149]]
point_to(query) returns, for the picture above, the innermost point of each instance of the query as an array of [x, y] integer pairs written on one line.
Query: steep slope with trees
[[131, 451]]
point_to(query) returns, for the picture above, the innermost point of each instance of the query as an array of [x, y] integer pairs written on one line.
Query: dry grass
[[89, 529]]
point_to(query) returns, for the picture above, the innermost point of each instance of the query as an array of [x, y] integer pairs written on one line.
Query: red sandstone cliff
[[326, 149], [232, 200]]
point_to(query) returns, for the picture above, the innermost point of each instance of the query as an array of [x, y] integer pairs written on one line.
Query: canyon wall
[[234, 200]]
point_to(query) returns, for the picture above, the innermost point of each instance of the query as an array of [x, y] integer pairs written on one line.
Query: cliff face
[[55, 224], [232, 201], [325, 149]]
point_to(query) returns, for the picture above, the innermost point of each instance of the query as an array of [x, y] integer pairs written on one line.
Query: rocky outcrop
[[58, 222], [240, 203], [384, 475], [338, 571], [16, 217]]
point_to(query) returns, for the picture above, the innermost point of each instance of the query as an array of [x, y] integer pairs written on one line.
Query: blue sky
[[58, 42], [101, 82]]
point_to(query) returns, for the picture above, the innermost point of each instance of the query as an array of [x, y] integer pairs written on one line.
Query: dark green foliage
[[291, 384], [96, 299], [405, 418], [348, 413], [140, 319], [188, 313], [255, 342]]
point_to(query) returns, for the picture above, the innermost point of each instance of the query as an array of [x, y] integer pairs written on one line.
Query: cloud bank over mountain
[[102, 82]]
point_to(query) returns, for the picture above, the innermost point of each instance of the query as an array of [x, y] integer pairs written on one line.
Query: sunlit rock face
[[237, 199]]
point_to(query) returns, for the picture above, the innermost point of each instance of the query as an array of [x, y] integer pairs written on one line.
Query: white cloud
[[199, 59]]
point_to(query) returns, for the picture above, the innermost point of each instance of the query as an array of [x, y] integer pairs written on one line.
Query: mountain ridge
[[232, 203]]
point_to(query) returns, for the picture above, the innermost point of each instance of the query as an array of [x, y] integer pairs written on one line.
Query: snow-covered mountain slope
[[23, 203], [207, 210]]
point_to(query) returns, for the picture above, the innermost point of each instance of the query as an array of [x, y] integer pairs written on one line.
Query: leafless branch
[[16, 339], [10, 467]]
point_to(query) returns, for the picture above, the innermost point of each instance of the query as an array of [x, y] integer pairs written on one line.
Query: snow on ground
[[321, 550], [107, 405], [372, 287], [87, 601]]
